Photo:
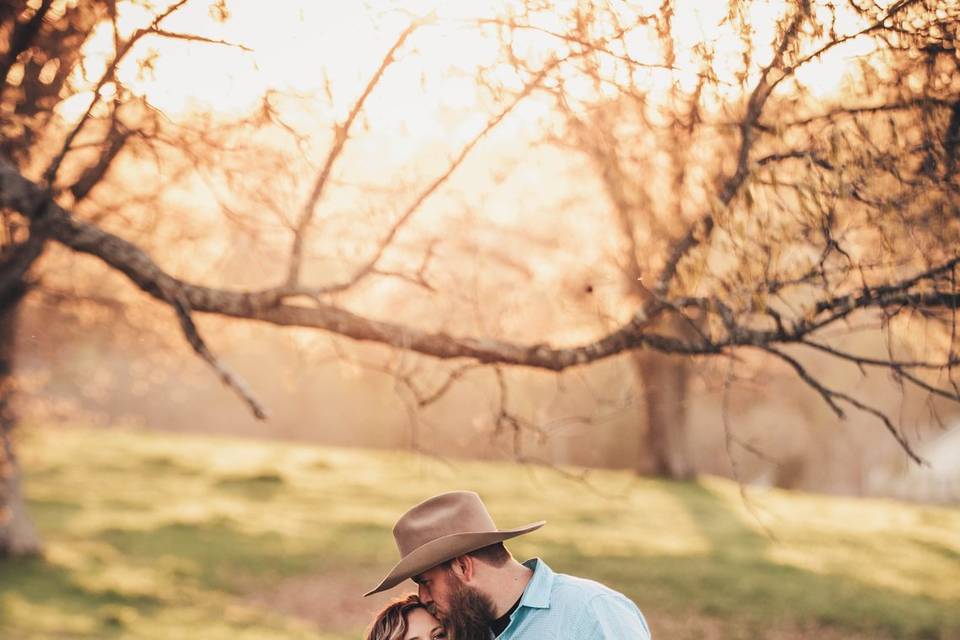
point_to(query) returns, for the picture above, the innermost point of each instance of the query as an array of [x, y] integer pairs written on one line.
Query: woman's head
[[406, 619]]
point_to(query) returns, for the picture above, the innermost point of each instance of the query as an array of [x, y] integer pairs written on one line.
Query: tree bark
[[663, 380], [663, 385], [18, 536]]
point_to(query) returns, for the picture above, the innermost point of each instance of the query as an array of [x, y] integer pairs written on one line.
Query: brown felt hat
[[440, 529]]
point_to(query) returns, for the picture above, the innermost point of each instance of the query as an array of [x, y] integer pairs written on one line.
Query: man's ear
[[463, 568]]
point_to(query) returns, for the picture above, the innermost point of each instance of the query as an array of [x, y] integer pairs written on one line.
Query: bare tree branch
[[176, 299], [192, 37], [340, 135], [369, 267], [23, 34], [50, 174], [452, 378], [831, 397]]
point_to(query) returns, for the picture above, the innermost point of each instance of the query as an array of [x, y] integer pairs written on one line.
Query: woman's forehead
[[420, 624]]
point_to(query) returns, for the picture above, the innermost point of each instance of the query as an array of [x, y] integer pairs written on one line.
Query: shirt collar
[[537, 593]]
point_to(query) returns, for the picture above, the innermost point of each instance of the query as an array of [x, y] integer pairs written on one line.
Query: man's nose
[[424, 594]]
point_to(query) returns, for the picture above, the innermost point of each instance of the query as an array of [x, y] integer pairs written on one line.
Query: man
[[450, 546]]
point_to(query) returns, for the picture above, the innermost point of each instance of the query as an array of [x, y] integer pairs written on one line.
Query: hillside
[[159, 536]]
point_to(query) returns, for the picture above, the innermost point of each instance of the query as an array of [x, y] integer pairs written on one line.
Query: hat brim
[[446, 548]]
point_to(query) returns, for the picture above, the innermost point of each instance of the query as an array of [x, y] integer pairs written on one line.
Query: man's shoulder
[[602, 612], [581, 589]]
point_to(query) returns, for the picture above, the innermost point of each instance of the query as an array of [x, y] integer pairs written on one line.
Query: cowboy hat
[[440, 529]]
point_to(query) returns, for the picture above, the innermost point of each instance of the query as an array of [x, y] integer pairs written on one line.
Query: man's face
[[465, 611], [435, 588]]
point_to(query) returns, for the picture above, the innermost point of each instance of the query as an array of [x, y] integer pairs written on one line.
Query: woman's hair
[[391, 623]]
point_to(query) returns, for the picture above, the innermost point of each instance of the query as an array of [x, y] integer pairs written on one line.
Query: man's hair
[[496, 555]]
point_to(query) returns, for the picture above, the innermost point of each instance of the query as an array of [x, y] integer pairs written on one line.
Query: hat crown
[[442, 515], [441, 528]]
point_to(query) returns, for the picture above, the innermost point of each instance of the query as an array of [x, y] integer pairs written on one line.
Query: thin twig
[[340, 135], [830, 396]]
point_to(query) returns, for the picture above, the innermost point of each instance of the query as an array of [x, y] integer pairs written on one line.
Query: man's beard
[[470, 614]]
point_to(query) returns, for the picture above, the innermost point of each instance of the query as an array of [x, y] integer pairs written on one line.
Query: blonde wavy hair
[[391, 623]]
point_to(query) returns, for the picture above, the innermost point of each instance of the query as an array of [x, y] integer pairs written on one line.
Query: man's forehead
[[426, 575]]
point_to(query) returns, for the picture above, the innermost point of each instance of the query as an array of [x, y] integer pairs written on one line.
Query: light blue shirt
[[555, 606]]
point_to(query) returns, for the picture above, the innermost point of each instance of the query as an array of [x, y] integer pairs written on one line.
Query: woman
[[406, 619]]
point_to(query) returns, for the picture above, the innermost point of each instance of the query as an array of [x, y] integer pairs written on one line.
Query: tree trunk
[[663, 383], [18, 536], [665, 451]]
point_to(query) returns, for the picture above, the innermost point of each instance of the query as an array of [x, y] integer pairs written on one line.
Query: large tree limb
[[31, 200], [56, 223]]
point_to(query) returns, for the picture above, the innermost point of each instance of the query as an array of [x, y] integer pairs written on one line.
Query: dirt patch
[[332, 601]]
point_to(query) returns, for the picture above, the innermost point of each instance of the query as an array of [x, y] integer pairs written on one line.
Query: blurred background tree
[[756, 186], [744, 183]]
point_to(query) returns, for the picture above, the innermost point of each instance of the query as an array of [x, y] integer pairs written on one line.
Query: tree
[[659, 138], [786, 213]]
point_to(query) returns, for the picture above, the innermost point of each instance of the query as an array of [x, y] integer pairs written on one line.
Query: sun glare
[[300, 47], [323, 48]]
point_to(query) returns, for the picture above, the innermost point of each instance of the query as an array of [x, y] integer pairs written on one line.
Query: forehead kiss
[[421, 625]]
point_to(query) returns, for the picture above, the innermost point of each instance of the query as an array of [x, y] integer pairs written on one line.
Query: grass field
[[161, 536]]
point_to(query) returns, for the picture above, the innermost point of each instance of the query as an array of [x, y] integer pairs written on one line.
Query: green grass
[[161, 536]]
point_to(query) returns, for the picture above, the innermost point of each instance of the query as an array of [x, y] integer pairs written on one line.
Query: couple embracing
[[471, 588]]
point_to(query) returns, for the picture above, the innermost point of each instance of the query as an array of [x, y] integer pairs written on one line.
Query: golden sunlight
[[299, 47], [307, 48], [679, 277]]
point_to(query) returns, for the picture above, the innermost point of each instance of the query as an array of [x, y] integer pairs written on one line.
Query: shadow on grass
[[49, 515], [736, 579], [213, 555], [39, 581], [218, 555], [255, 486], [55, 591]]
